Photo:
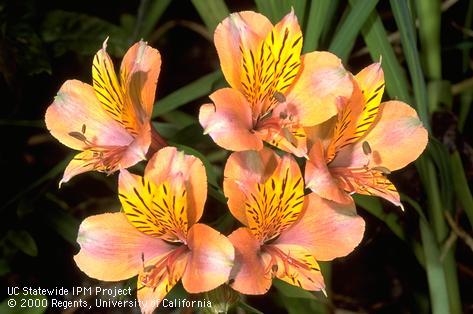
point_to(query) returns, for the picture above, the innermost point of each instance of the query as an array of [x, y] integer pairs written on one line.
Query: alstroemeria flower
[[157, 236], [354, 152], [109, 122], [286, 232], [275, 91]]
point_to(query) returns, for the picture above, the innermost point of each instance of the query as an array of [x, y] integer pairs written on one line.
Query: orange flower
[[275, 91], [354, 152], [286, 232], [108, 122], [157, 235]]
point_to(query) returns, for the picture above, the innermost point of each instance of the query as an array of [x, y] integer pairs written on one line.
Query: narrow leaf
[[199, 88], [149, 13], [23, 241], [402, 15], [376, 39], [212, 12], [345, 37], [461, 186], [317, 20]]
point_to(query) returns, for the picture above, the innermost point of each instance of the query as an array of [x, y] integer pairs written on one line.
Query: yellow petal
[[139, 73], [360, 111], [296, 265], [157, 210], [245, 29], [272, 66], [273, 206]]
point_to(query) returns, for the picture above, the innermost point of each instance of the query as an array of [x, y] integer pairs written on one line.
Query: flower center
[[165, 270], [287, 261]]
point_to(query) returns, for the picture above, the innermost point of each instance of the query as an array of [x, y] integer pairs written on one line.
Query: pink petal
[[75, 106], [246, 29], [112, 249], [210, 259], [319, 179], [169, 163], [229, 121], [249, 274], [298, 267], [246, 169], [315, 93], [140, 70], [396, 139], [327, 229]]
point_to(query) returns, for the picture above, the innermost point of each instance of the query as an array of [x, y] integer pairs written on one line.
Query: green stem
[[461, 186], [429, 14]]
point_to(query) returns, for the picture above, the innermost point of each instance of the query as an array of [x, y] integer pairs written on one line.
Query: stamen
[[286, 259], [366, 148], [153, 275], [382, 169], [279, 97], [78, 136]]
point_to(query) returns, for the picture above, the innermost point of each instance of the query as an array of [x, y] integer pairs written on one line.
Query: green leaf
[[4, 267], [217, 194], [212, 12], [428, 172], [53, 173], [460, 183], [23, 241], [63, 223], [428, 13], [317, 20], [376, 40], [199, 88], [166, 129], [21, 47], [402, 15], [23, 123], [434, 267], [149, 13], [180, 118], [83, 34], [304, 306], [248, 308], [276, 10], [374, 207], [298, 300], [440, 156], [291, 291], [344, 39], [440, 95], [466, 99], [37, 304]]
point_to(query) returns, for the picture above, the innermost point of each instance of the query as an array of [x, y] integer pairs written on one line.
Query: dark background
[[40, 48]]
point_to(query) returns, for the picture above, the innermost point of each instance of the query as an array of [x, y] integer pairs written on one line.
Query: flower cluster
[[306, 105]]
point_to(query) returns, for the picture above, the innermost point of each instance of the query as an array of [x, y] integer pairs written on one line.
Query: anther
[[279, 97], [366, 148], [78, 136], [283, 115], [382, 169]]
